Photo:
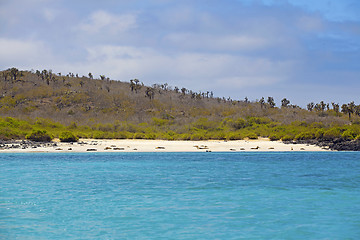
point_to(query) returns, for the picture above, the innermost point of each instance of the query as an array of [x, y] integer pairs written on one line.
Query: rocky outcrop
[[337, 144]]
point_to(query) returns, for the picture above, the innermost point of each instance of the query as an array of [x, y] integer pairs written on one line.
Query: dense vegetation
[[37, 104]]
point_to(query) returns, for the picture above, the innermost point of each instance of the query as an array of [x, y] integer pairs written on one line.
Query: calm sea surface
[[180, 196]]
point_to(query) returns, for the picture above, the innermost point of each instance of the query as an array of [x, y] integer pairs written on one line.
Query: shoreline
[[140, 145]]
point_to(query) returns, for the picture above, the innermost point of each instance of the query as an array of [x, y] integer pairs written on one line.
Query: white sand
[[100, 145]]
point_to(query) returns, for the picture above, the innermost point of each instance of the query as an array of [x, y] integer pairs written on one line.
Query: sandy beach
[[130, 145]]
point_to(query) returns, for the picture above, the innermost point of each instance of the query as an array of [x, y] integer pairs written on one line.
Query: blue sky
[[302, 50]]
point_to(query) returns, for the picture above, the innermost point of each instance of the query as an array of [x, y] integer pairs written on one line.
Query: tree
[[336, 107], [284, 103], [14, 72], [183, 90], [348, 109], [317, 107], [271, 102], [357, 110], [149, 92], [262, 102], [132, 85], [90, 75], [5, 75], [310, 106], [322, 106], [102, 77]]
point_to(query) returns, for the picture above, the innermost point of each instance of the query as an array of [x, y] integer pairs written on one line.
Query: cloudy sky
[[299, 49]]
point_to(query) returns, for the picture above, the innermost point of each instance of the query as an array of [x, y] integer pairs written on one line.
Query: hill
[[104, 108]]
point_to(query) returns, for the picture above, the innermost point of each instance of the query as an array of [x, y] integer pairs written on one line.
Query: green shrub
[[204, 123], [332, 133], [257, 120], [217, 135], [238, 123], [305, 136], [349, 135], [160, 122], [319, 133], [139, 135], [287, 138], [198, 136], [251, 136], [274, 137], [68, 137], [234, 136], [121, 135], [152, 136], [39, 136]]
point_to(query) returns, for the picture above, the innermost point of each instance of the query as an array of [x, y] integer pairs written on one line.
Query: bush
[[319, 133], [121, 135], [39, 136], [305, 136], [274, 137], [332, 133], [234, 136], [204, 123], [198, 136], [349, 135], [251, 136], [152, 136], [68, 137], [238, 123], [139, 135], [287, 138], [217, 135], [160, 122]]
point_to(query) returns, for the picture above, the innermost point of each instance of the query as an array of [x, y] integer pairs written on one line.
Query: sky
[[302, 50]]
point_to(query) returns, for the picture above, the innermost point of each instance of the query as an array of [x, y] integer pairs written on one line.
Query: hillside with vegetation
[[40, 101]]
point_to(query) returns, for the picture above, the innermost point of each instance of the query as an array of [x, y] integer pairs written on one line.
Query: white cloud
[[23, 54], [193, 70], [217, 42], [110, 23]]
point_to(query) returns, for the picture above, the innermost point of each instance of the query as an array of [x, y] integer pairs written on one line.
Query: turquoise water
[[180, 196]]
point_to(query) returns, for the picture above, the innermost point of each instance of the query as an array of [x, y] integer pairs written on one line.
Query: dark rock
[[337, 144]]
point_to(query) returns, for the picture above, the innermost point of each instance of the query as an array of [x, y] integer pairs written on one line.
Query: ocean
[[277, 195]]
